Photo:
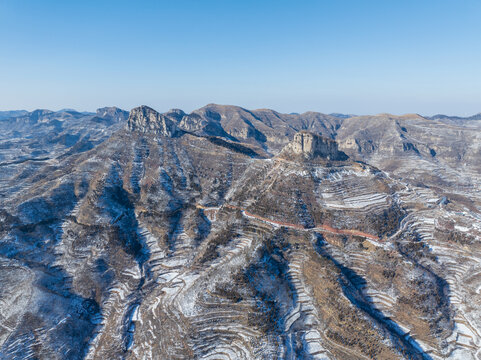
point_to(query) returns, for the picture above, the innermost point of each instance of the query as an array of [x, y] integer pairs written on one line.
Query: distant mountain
[[68, 110], [342, 116], [12, 113], [48, 134], [111, 114], [443, 117]]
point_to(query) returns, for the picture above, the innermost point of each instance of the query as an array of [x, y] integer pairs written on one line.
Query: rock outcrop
[[312, 146], [146, 120]]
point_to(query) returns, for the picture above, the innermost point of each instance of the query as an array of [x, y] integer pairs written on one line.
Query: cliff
[[147, 120], [312, 146]]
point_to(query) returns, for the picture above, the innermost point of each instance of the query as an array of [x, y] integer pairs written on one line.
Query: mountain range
[[230, 233]]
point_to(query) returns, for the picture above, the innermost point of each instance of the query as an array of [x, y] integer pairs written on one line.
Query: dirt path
[[323, 228]]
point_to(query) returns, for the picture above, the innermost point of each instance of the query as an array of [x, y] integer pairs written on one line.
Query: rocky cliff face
[[312, 146], [146, 120]]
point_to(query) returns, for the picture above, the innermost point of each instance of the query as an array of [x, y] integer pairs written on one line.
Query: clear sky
[[349, 56]]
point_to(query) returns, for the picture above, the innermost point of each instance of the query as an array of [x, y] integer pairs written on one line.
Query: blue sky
[[350, 56]]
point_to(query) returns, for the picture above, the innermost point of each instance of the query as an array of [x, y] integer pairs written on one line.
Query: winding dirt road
[[320, 228]]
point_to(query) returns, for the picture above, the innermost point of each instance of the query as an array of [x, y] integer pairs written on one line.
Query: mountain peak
[[175, 114], [112, 113], [147, 120]]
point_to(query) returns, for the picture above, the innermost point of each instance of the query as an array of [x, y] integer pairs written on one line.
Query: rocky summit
[[230, 233], [147, 120], [311, 146]]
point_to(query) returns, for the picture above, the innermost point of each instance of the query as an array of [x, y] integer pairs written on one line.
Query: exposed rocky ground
[[236, 234]]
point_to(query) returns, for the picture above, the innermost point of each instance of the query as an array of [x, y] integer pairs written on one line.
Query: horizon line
[[245, 108]]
